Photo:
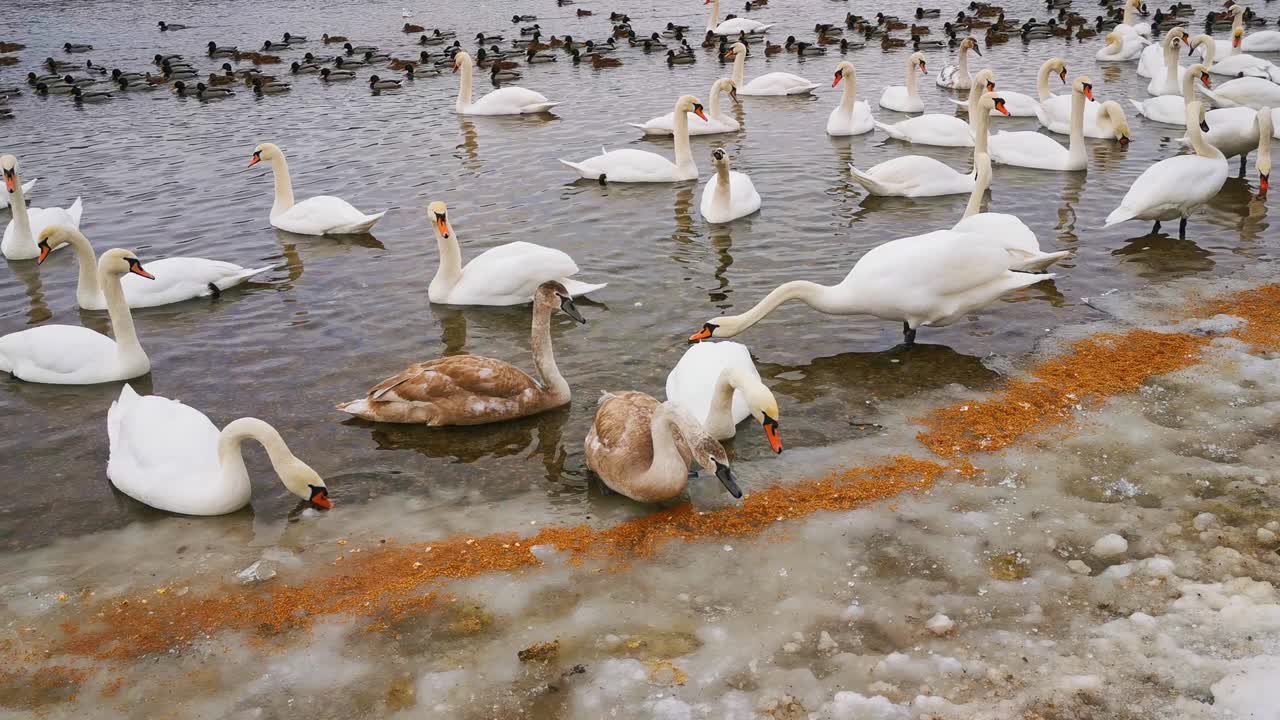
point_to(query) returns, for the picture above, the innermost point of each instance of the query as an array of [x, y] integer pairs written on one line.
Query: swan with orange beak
[[639, 166]]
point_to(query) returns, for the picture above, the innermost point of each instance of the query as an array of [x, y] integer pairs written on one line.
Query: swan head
[[738, 48], [989, 102], [844, 69], [301, 480], [1237, 37], [1114, 114], [690, 104], [55, 236], [917, 60], [1237, 10], [970, 44], [553, 296], [117, 262], [727, 85], [461, 59], [1196, 41], [706, 450], [763, 406], [265, 151], [1199, 72], [1059, 66], [986, 77], [719, 158], [9, 167], [438, 214], [1084, 86]]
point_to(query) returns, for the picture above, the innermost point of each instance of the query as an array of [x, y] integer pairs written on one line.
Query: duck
[[182, 278], [1251, 92], [292, 39], [269, 86], [919, 43], [956, 77], [320, 215], [500, 276], [327, 39], [74, 355], [1171, 109], [1020, 105], [298, 68], [97, 69], [939, 129], [804, 49], [922, 176], [343, 63], [376, 57], [517, 19], [270, 46], [889, 43], [504, 101], [329, 75], [476, 390], [728, 195], [1031, 149], [377, 83], [719, 385], [411, 28], [852, 116], [717, 122], [1176, 187], [358, 49], [769, 84], [906, 98], [630, 165], [643, 449], [733, 25], [216, 50], [497, 75], [1119, 47], [682, 58], [533, 57], [166, 27], [922, 13], [208, 93], [76, 48], [1238, 130], [929, 280], [171, 457], [19, 241]]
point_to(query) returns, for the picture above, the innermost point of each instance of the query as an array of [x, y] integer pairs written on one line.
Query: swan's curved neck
[[668, 472], [1266, 128], [719, 421], [912, 92], [980, 119], [1195, 138], [1042, 81], [714, 20], [231, 456], [464, 87], [1128, 13], [721, 199], [831, 299], [449, 272], [1211, 51], [544, 358], [22, 221], [1188, 88], [1075, 149], [284, 184], [850, 95], [739, 68], [713, 103], [684, 155], [88, 289], [982, 180], [964, 60], [1170, 64], [129, 352]]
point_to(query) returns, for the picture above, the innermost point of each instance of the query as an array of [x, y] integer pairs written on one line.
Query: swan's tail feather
[[867, 182], [803, 89], [127, 396], [76, 210], [890, 130], [959, 103], [582, 169], [1038, 262], [605, 396], [26, 186], [359, 408], [577, 288], [1137, 107], [1118, 216], [359, 228], [233, 280], [537, 108]]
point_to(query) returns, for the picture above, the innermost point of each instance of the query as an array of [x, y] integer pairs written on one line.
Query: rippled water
[[167, 176]]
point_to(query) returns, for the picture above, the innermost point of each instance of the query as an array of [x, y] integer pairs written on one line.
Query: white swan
[[1172, 109], [1236, 64], [906, 98], [1103, 120], [171, 457], [1152, 63], [769, 84], [510, 100], [728, 195], [938, 129], [1020, 105], [923, 176], [1007, 232], [26, 188], [319, 215], [1031, 149], [1251, 92], [504, 275], [1261, 41], [852, 116], [931, 280], [733, 26], [717, 122], [956, 77], [629, 165], [1175, 187], [74, 355], [718, 384], [19, 242], [1129, 22], [1168, 81], [1237, 131], [1120, 48], [180, 278]]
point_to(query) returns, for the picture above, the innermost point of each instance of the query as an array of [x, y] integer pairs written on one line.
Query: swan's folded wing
[[1169, 184], [448, 377], [319, 214], [159, 440], [510, 273], [48, 352], [943, 261], [178, 279]]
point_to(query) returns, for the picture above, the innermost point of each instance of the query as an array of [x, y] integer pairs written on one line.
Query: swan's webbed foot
[[214, 291], [1182, 229], [1155, 229], [1243, 163], [601, 179], [908, 334]]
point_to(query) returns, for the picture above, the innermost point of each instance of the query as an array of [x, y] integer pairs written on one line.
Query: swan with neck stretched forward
[[717, 122], [643, 449], [1031, 149], [906, 98], [944, 130], [19, 242], [923, 176], [769, 84], [508, 274], [852, 116], [728, 195], [718, 383], [74, 355], [319, 215], [171, 457], [628, 165], [177, 279], [510, 100], [930, 280], [474, 390], [1176, 187]]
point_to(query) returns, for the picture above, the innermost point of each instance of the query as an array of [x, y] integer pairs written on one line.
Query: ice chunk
[[1109, 546], [853, 706], [940, 625], [1251, 692]]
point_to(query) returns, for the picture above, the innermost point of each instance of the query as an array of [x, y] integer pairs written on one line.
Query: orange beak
[[45, 250], [702, 334], [771, 432], [1000, 107], [320, 498], [837, 80], [923, 69], [10, 181], [698, 111], [1204, 80], [1063, 76], [253, 160], [137, 269], [1235, 42], [991, 87], [1264, 184], [729, 54], [1088, 92], [455, 67], [442, 226], [1124, 141]]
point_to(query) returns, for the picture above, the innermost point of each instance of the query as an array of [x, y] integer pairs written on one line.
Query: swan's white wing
[[180, 278], [1170, 185], [510, 101], [691, 383], [57, 354], [1018, 104], [742, 194], [1247, 91], [164, 454], [913, 176], [1026, 149], [931, 129], [509, 274], [323, 214], [665, 125], [1009, 233], [627, 165], [777, 83]]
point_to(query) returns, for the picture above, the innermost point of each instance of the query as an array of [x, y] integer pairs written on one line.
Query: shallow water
[[166, 176]]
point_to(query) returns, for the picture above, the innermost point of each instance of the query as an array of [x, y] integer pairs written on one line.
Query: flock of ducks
[[171, 456]]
